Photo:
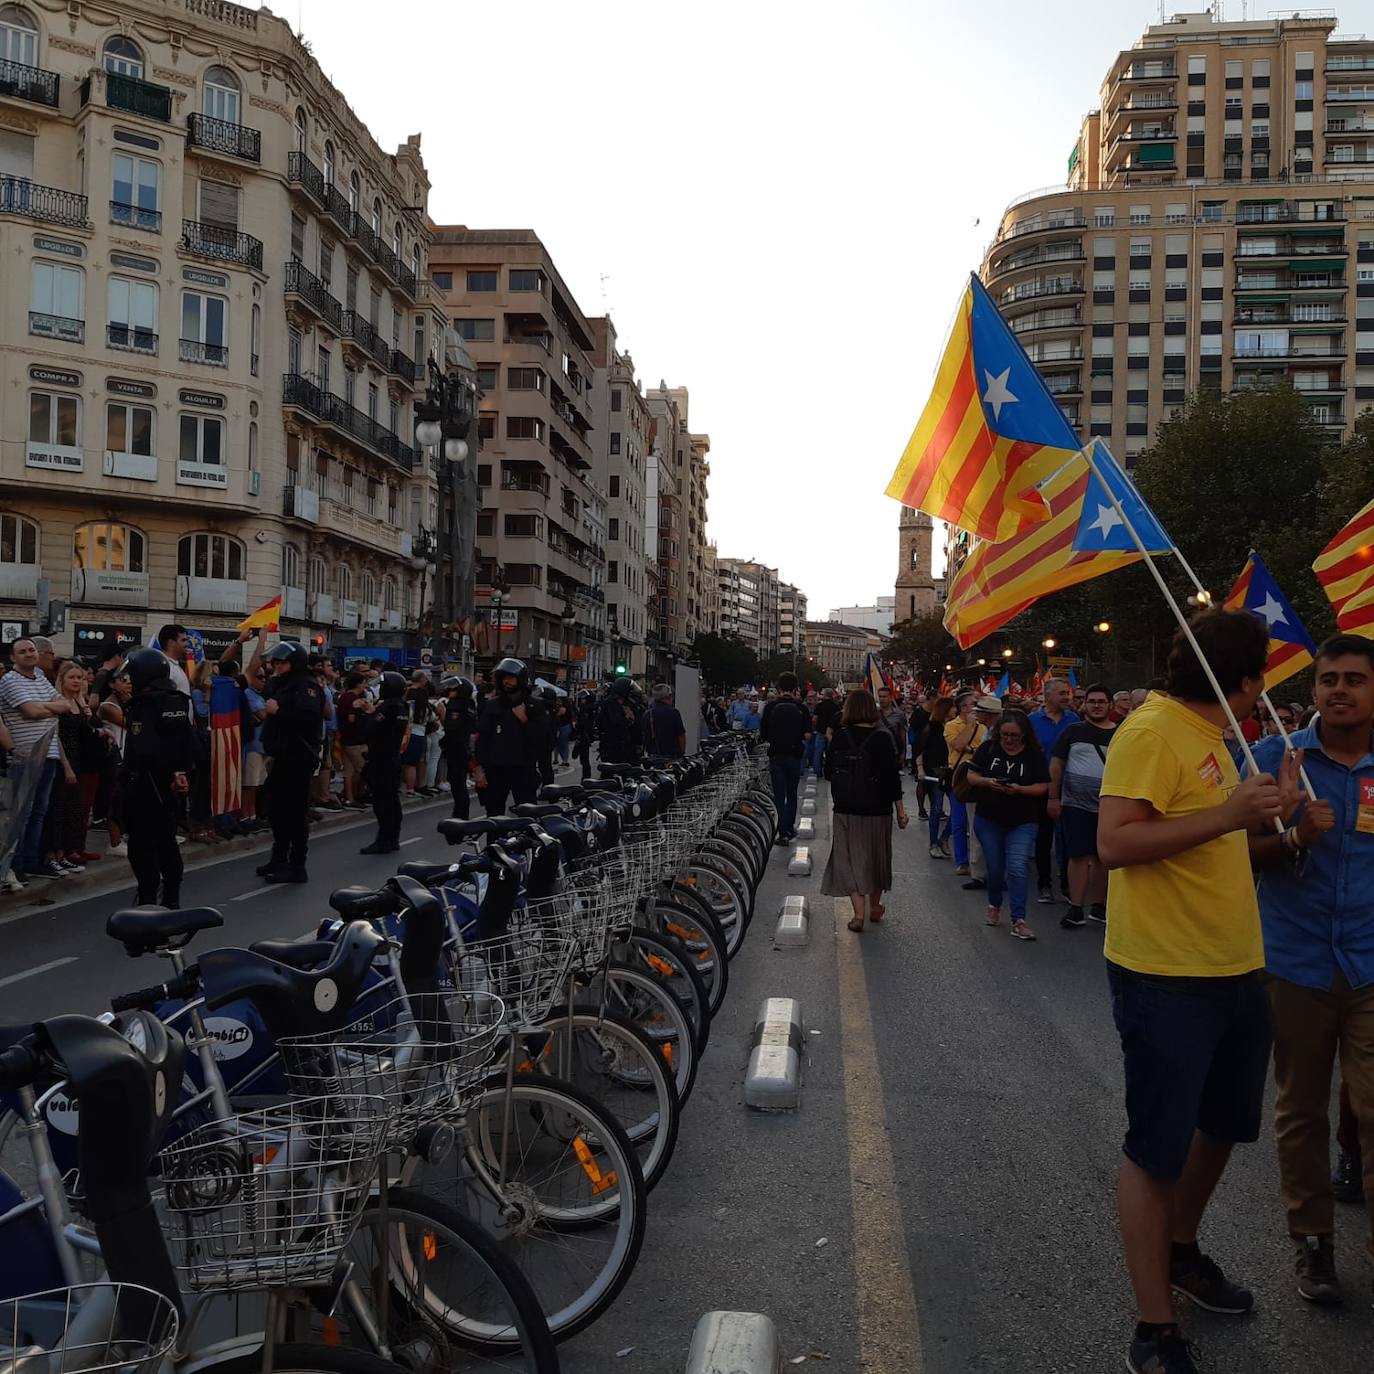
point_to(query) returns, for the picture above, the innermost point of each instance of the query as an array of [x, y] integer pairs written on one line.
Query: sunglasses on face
[[1010, 734]]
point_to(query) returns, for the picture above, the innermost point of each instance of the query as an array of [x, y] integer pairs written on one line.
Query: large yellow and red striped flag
[[990, 432], [998, 581], [1345, 568]]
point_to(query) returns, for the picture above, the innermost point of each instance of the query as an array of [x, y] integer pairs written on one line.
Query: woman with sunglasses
[[1012, 779]]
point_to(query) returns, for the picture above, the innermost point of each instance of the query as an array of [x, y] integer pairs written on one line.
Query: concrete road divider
[[806, 828], [734, 1343], [794, 926], [808, 806], [772, 1082], [799, 865]]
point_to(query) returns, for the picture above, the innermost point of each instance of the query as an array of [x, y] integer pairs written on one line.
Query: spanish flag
[[265, 617], [989, 434], [1345, 568], [1290, 646]]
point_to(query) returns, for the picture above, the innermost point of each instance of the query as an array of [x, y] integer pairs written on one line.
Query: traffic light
[[621, 670], [317, 641]]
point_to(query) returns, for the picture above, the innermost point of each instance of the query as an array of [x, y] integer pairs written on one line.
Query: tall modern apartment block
[[1216, 230]]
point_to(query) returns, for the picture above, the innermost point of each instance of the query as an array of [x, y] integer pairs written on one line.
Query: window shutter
[[219, 204], [16, 154]]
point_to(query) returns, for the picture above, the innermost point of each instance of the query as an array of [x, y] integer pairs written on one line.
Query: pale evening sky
[[777, 202]]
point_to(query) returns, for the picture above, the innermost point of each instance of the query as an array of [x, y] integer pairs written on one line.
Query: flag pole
[[1178, 615], [1264, 695]]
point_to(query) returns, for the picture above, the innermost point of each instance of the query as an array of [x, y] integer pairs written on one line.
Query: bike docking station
[[794, 924], [772, 1082], [734, 1343]]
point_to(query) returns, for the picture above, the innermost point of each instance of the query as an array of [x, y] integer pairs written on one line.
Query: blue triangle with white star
[[1101, 528]]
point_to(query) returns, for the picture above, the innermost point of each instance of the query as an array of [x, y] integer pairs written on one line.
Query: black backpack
[[852, 774]]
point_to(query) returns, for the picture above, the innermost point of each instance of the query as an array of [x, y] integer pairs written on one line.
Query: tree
[[726, 661], [806, 669], [922, 643]]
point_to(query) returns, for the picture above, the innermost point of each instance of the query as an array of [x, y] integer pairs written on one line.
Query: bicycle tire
[[749, 833], [732, 859], [735, 925], [535, 1231], [685, 916], [667, 959], [529, 1336], [637, 1068], [628, 989]]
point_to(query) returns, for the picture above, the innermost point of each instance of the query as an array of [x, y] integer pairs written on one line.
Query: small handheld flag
[[1003, 685], [874, 677], [266, 617], [1345, 568], [1100, 527], [1291, 648]]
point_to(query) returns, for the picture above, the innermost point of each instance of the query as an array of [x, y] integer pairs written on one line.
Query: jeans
[[1008, 852], [958, 829], [1049, 848], [939, 821], [814, 758], [785, 773], [28, 831], [564, 743]]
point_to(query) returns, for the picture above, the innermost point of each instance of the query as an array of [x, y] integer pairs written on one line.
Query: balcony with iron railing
[[45, 326], [336, 203], [1019, 262], [302, 284], [210, 354], [361, 232], [133, 96], [305, 394], [131, 338], [406, 368], [1299, 315], [223, 136], [47, 204], [358, 331], [136, 217], [217, 243], [1033, 290], [33, 84], [303, 173], [395, 270]]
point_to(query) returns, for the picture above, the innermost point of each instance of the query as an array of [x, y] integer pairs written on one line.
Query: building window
[[524, 427], [443, 280], [526, 279], [290, 566], [524, 378], [18, 36], [1302, 90], [329, 166], [615, 441], [377, 218], [345, 582], [202, 440], [123, 57], [369, 589], [54, 419], [221, 98], [18, 541], [204, 329], [255, 340], [396, 239], [109, 548], [612, 572], [476, 331], [389, 594], [302, 136], [486, 377], [355, 192], [481, 281], [56, 304], [129, 428], [133, 315], [134, 193], [613, 531], [219, 557], [614, 488], [373, 398]]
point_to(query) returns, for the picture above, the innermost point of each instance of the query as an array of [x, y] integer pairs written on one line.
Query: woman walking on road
[[1011, 777], [865, 788], [932, 767]]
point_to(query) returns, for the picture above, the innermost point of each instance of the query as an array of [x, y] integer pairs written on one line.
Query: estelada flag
[[1345, 568], [1290, 646], [265, 617], [989, 434], [874, 677], [226, 746]]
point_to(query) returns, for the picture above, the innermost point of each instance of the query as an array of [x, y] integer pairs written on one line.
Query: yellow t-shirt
[[954, 727], [1193, 915]]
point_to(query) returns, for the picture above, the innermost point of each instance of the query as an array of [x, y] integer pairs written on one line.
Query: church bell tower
[[915, 592]]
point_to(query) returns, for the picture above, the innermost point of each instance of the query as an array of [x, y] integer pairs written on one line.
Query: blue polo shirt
[[1047, 731], [1323, 921]]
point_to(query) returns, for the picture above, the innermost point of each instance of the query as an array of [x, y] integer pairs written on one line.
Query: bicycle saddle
[[563, 792], [297, 953], [143, 929], [358, 903], [423, 872], [536, 811], [509, 825], [455, 832]]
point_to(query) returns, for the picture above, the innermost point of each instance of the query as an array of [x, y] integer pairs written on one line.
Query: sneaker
[[1166, 1353], [49, 869], [944, 848], [973, 884], [118, 851], [1315, 1261], [1347, 1178], [1022, 931], [12, 882], [961, 871], [1097, 912], [780, 841], [1073, 918], [69, 866], [1199, 1279], [936, 852], [1046, 897]]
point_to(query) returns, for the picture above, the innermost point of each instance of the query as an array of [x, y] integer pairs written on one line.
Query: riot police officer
[[460, 720], [584, 730], [620, 724], [387, 728], [158, 752], [512, 738], [291, 736]]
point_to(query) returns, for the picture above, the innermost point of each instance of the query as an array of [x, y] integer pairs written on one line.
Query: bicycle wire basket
[[271, 1197], [527, 966], [425, 1056], [89, 1328]]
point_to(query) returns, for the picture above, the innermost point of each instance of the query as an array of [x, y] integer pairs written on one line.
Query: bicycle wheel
[[737, 862], [556, 1182], [727, 902], [641, 995], [617, 1065], [449, 1284], [666, 958], [682, 915]]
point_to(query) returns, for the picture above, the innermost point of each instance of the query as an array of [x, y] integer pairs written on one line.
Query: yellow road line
[[885, 1296]]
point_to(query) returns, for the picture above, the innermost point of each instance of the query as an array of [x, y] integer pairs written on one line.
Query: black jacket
[[621, 735], [503, 741], [291, 736], [158, 740], [884, 785], [785, 725]]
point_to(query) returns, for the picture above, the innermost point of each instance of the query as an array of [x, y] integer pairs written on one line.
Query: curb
[[734, 1343], [772, 1082]]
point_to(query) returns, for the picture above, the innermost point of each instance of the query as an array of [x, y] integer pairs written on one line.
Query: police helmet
[[392, 686], [144, 667], [622, 687], [289, 652], [511, 667], [585, 697]]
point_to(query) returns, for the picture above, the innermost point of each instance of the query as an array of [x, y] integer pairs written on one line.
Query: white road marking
[[414, 839], [252, 892], [36, 970]]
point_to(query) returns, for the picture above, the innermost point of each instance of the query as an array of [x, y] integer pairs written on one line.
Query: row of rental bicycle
[[423, 1139]]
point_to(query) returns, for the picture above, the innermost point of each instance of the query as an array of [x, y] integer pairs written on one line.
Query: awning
[[1156, 153], [1317, 265]]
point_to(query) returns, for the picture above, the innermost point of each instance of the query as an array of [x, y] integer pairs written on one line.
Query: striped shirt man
[[16, 688]]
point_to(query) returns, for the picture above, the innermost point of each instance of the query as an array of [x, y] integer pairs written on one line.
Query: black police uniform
[[158, 744], [584, 732], [509, 750], [459, 722], [620, 729], [291, 739], [385, 728]]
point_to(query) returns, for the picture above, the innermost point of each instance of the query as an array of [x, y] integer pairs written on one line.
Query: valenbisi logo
[[229, 1039], [63, 1114]]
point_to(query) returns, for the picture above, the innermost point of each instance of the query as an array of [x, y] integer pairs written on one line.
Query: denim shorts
[[1079, 829], [1196, 1054]]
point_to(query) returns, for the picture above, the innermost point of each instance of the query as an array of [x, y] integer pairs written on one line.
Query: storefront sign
[[507, 620], [202, 475], [54, 458], [129, 262], [207, 399], [10, 630], [103, 587], [204, 278], [117, 386], [62, 246], [96, 643], [51, 376]]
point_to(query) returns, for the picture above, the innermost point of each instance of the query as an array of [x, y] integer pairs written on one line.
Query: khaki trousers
[[1311, 1028]]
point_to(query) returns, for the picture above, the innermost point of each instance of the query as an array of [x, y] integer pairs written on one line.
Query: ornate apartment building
[[213, 322], [1216, 230]]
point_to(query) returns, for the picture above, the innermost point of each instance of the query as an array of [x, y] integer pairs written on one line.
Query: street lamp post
[[569, 619], [444, 423]]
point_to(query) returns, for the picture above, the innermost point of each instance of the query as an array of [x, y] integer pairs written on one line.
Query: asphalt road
[[941, 1203]]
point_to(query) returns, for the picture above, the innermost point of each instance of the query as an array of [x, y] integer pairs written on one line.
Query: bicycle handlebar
[[21, 1063], [147, 999]]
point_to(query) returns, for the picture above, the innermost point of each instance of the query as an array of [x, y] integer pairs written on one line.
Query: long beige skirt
[[860, 856]]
